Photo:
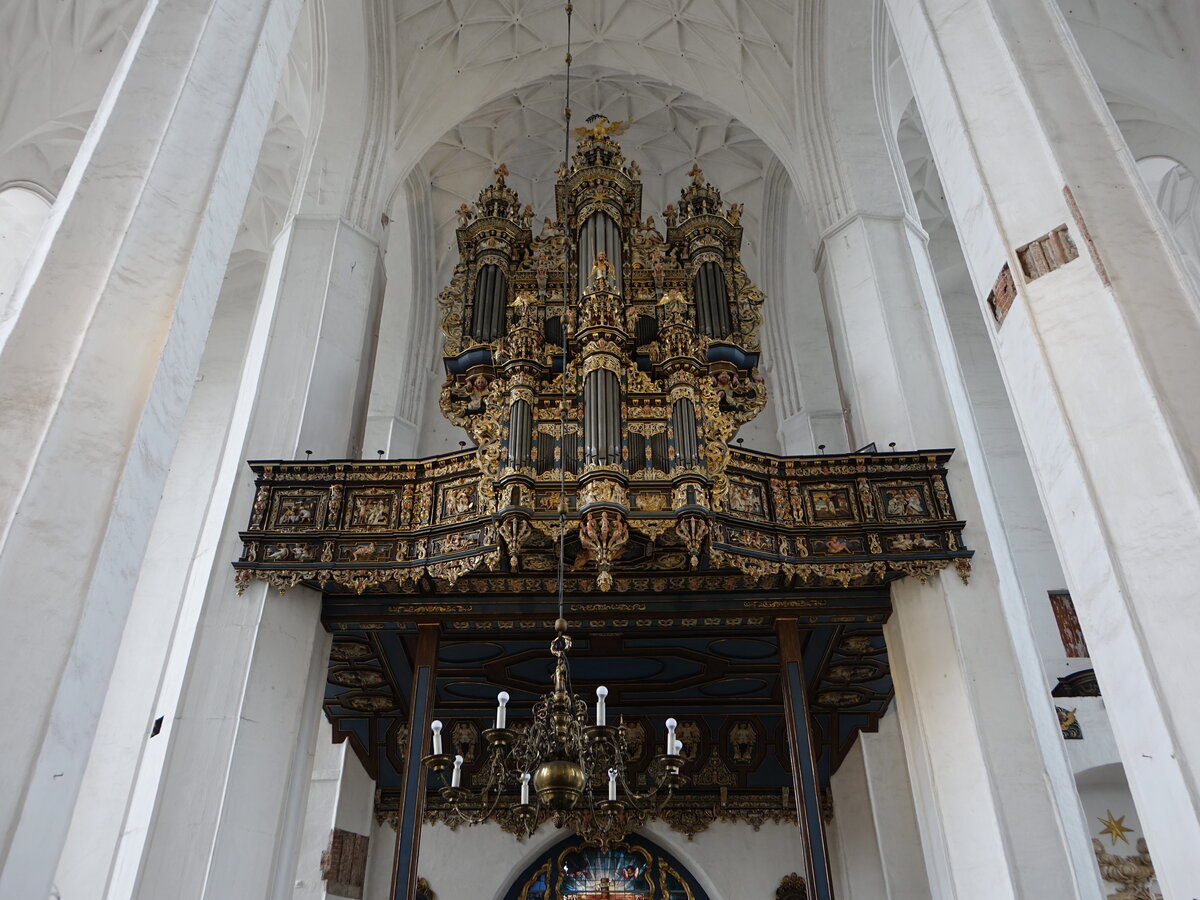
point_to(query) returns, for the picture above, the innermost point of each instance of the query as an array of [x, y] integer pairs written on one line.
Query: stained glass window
[[631, 870]]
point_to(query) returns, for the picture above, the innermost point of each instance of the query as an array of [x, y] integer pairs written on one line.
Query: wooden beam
[[803, 759], [412, 802]]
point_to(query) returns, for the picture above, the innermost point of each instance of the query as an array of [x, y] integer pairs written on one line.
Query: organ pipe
[[491, 303], [520, 433], [602, 418], [712, 301], [598, 233], [683, 423]]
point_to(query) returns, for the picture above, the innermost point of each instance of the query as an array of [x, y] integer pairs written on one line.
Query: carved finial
[[696, 174], [500, 171], [601, 129]]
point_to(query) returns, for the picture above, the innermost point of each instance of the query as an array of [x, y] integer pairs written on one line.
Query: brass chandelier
[[555, 766]]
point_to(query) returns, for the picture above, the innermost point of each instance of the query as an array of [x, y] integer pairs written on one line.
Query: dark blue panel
[[469, 653]]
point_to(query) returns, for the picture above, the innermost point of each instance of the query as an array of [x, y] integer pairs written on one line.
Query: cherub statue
[[670, 215], [464, 215]]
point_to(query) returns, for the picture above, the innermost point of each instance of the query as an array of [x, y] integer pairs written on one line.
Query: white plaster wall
[[340, 795], [1098, 747], [406, 358], [894, 811], [1104, 792], [22, 214], [853, 843]]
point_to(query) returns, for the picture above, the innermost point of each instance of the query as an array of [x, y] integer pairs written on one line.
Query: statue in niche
[[603, 271], [635, 738], [688, 733], [658, 268], [742, 741], [464, 737], [473, 390]]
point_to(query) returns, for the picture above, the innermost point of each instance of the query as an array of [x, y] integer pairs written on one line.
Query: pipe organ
[[602, 370], [645, 372]]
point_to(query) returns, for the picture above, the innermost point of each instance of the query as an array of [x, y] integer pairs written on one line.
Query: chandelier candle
[[612, 785], [672, 748], [456, 778], [601, 713], [436, 727], [525, 776], [501, 712]]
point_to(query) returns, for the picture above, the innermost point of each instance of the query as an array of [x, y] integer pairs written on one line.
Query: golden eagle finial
[[601, 129]]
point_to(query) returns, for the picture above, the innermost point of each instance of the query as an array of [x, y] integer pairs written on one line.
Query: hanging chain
[[562, 408]]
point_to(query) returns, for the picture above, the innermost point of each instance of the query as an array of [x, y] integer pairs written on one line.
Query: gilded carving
[[667, 504], [743, 739]]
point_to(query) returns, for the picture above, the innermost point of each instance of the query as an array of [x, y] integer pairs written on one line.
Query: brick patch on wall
[[1049, 252], [344, 864], [1000, 300]]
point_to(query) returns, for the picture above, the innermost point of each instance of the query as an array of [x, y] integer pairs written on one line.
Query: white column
[[875, 822], [894, 812], [381, 859], [853, 844], [219, 800], [96, 372], [797, 358], [1100, 358], [342, 795], [186, 536], [998, 812], [408, 358]]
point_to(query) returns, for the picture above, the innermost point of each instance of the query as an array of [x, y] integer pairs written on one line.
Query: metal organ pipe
[[683, 423], [491, 303], [598, 233], [520, 433], [602, 418], [712, 301]]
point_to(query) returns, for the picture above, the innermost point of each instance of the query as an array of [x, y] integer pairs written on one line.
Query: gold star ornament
[[1114, 827]]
